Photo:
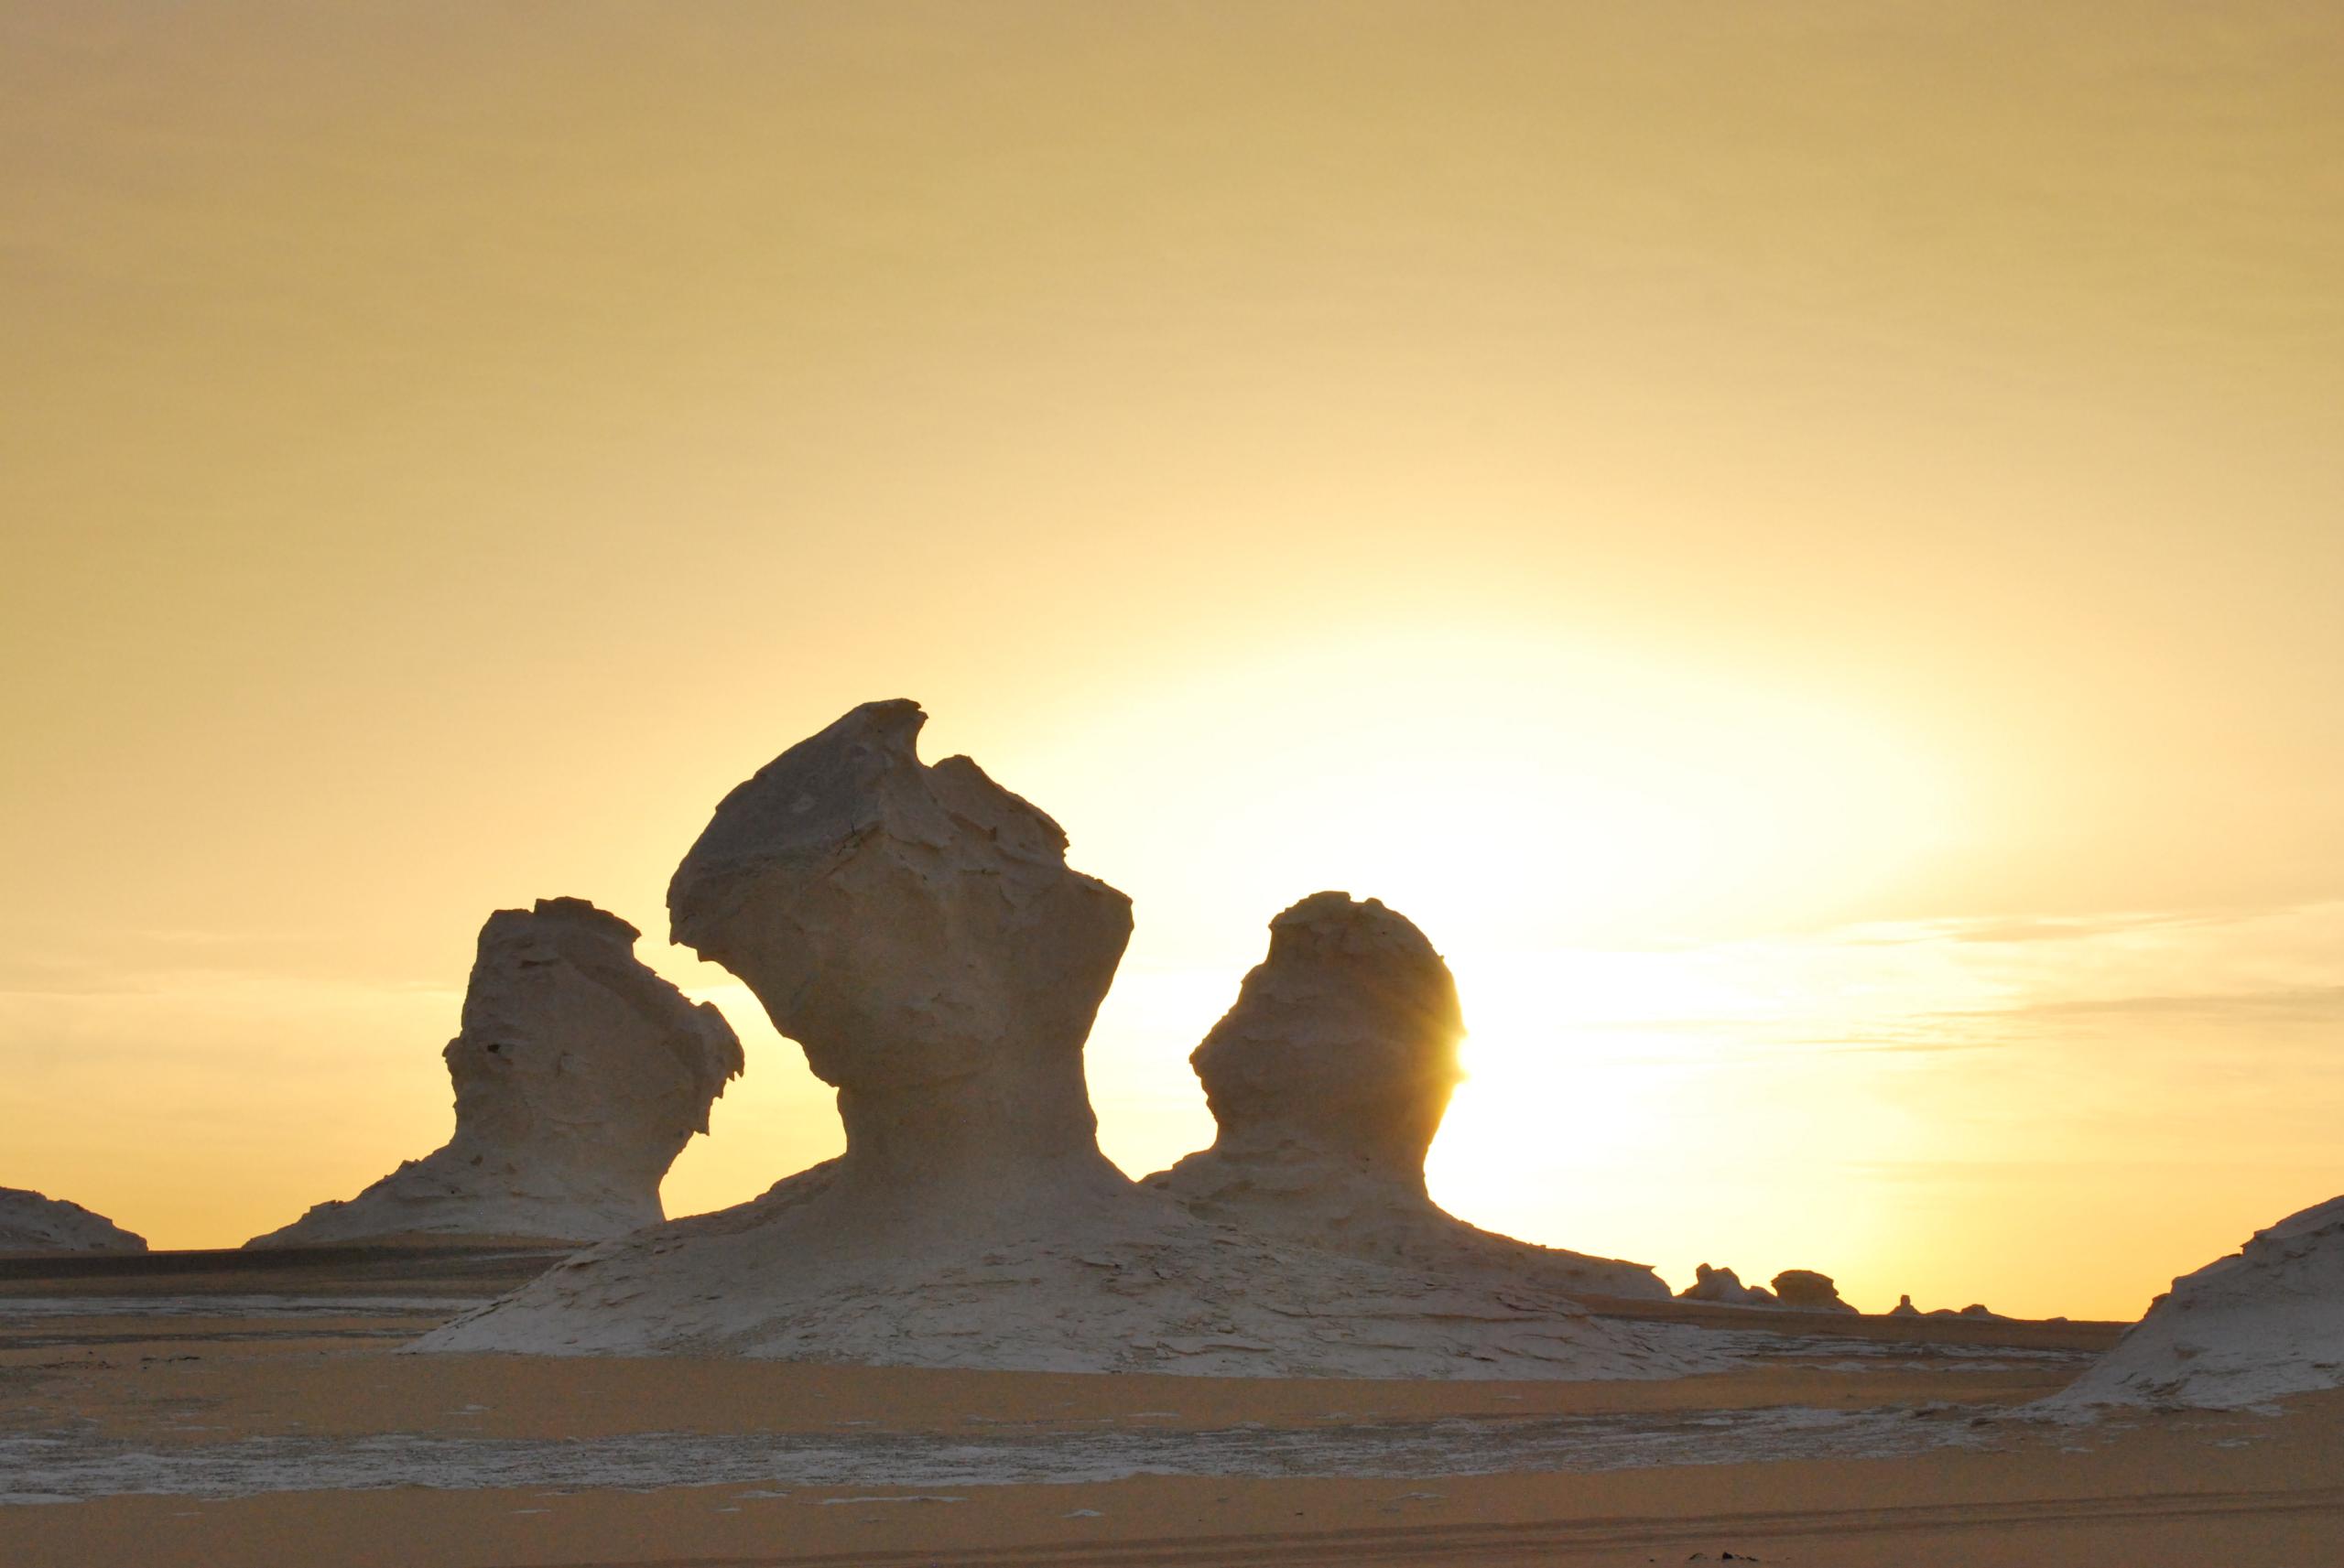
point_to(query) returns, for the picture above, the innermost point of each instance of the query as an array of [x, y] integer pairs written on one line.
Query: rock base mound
[[31, 1223], [2264, 1322], [1130, 1283]]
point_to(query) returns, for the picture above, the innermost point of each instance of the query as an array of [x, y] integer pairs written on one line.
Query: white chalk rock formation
[[1723, 1287], [1796, 1290], [579, 1076], [1328, 1080], [31, 1223], [2266, 1322], [916, 929], [1804, 1289], [1903, 1308]]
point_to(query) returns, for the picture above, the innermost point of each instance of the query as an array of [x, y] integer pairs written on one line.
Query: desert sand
[[225, 1409]]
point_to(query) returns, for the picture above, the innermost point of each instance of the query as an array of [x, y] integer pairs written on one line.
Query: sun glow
[[1503, 791], [1577, 828]]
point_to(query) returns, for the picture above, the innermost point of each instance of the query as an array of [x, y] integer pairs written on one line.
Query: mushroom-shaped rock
[[579, 1075], [2266, 1322], [1903, 1308], [916, 929], [1328, 1080], [1723, 1287], [31, 1223], [1804, 1289]]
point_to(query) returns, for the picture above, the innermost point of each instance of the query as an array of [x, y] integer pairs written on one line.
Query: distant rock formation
[[31, 1223], [916, 929], [579, 1075], [1724, 1288], [1804, 1289], [1905, 1308], [1328, 1080], [2266, 1322], [1796, 1290]]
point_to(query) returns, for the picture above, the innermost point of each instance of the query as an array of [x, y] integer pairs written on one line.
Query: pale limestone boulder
[[1804, 1289], [2264, 1322], [1723, 1287], [917, 930], [31, 1223], [1328, 1080], [579, 1075]]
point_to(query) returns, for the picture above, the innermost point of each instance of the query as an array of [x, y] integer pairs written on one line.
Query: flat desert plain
[[258, 1408]]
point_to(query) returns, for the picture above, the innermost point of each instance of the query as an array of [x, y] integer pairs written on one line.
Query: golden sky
[[1802, 543]]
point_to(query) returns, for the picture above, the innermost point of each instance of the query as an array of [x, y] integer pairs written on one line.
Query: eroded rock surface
[[1796, 1290], [2266, 1322], [917, 931], [1328, 1080], [31, 1223], [1724, 1288], [1804, 1289], [579, 1075]]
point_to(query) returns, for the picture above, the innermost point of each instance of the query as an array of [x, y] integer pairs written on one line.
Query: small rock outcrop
[[2266, 1322], [1328, 1080], [916, 929], [1796, 1290], [31, 1223], [1723, 1287], [1903, 1308], [579, 1075], [1804, 1289]]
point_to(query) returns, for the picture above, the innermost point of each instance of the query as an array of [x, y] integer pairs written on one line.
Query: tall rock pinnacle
[[917, 931], [579, 1075], [1327, 1081]]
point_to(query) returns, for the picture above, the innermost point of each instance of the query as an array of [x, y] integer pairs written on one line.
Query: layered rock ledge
[[579, 1075], [32, 1223], [2266, 1322]]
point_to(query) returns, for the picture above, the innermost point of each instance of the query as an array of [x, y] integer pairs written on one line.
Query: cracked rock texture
[[915, 928], [579, 1075], [31, 1223], [2266, 1322], [1328, 1080]]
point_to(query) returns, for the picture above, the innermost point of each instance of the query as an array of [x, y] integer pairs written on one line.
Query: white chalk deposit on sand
[[31, 1223], [80, 1463], [1328, 1080], [916, 929], [2263, 1323], [579, 1075]]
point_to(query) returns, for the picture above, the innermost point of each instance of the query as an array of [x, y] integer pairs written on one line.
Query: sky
[[1801, 544]]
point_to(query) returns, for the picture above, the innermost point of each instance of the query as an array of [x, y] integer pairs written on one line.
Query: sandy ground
[[205, 1408]]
